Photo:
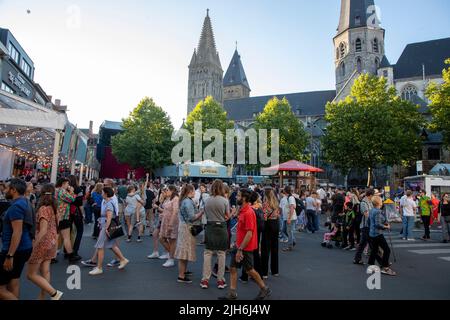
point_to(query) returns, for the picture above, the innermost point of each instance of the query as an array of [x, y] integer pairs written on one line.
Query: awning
[[292, 165]]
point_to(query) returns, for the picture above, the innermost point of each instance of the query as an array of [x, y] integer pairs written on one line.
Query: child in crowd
[[349, 228]]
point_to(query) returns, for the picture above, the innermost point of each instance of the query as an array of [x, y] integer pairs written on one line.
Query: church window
[[342, 69], [385, 73], [376, 47], [434, 154], [358, 20], [377, 63], [409, 92], [358, 45], [337, 53], [342, 49], [359, 64]]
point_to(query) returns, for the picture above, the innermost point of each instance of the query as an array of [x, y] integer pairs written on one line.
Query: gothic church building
[[359, 47]]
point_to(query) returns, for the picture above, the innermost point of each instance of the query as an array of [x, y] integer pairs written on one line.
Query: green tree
[[212, 116], [372, 126], [146, 137], [440, 105], [278, 114]]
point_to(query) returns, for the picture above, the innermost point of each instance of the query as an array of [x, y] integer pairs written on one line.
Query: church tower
[[358, 45], [205, 70], [235, 84]]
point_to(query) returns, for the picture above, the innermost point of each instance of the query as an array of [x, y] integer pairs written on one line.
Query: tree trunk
[[369, 176]]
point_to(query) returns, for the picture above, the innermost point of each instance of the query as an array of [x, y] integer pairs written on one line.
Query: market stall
[[203, 169], [293, 173]]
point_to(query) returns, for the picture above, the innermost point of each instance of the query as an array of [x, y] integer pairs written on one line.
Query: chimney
[[91, 128]]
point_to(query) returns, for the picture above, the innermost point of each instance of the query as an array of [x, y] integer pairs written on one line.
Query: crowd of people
[[244, 225]]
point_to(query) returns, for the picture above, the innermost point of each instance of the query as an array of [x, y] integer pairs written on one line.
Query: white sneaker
[[96, 271], [154, 255], [169, 263], [123, 264], [57, 296], [164, 256], [411, 239]]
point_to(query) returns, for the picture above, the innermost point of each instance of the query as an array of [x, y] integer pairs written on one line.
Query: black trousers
[[379, 242], [97, 212], [426, 225], [349, 236], [362, 245], [269, 247], [256, 259], [77, 220]]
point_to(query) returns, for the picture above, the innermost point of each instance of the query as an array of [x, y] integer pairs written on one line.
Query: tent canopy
[[292, 165]]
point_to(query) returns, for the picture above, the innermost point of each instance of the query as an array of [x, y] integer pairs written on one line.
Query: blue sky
[[102, 57]]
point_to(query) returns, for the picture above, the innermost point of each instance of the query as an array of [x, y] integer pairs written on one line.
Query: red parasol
[[293, 165]]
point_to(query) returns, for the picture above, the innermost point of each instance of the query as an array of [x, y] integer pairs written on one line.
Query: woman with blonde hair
[[169, 225], [186, 245], [270, 239]]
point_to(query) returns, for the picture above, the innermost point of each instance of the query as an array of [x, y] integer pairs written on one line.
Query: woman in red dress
[[45, 243]]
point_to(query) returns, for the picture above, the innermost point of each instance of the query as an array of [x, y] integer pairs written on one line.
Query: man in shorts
[[246, 243], [16, 240]]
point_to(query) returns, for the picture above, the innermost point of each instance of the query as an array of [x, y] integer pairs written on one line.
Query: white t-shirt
[[322, 194], [402, 200], [319, 205], [284, 205], [310, 203], [408, 207]]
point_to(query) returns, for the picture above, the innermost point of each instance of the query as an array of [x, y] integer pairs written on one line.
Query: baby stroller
[[336, 235]]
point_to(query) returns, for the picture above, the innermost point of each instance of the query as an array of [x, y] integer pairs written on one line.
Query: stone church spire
[[355, 14], [205, 70]]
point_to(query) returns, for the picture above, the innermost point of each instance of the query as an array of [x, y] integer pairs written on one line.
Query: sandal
[[388, 271]]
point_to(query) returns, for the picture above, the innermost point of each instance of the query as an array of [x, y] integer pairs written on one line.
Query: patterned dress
[[46, 248], [169, 220]]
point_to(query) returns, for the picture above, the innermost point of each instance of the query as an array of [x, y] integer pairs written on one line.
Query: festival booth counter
[[293, 173], [207, 169], [28, 130]]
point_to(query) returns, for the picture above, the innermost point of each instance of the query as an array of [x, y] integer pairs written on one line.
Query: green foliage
[[211, 114], [439, 96], [278, 114], [372, 126], [146, 137]]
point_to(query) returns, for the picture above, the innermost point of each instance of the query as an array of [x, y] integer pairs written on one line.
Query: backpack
[[259, 219], [29, 222], [299, 206]]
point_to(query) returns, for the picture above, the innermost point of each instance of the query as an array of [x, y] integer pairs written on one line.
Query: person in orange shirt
[[435, 210]]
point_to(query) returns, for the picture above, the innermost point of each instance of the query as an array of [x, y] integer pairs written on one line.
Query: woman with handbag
[[104, 242], [270, 239], [186, 245], [217, 209], [169, 225]]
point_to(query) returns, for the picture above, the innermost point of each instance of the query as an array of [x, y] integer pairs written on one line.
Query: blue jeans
[[87, 213], [313, 221], [290, 228], [408, 224], [284, 231]]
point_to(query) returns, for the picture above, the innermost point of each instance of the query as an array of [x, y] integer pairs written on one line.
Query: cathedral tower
[[205, 70], [358, 45], [235, 84]]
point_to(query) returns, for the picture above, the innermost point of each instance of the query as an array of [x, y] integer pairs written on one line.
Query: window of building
[[359, 64], [7, 88], [342, 49], [385, 73], [298, 111], [26, 68], [376, 47], [358, 45], [14, 54], [434, 154], [409, 92], [337, 54], [377, 63], [343, 69], [358, 20]]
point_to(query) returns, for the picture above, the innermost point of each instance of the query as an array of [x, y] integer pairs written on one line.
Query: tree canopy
[[372, 126], [440, 105], [146, 138]]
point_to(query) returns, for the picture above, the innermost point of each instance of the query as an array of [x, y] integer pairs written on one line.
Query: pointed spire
[[356, 13], [235, 74], [207, 51]]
